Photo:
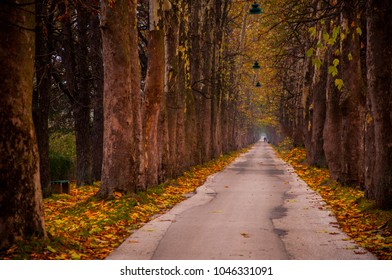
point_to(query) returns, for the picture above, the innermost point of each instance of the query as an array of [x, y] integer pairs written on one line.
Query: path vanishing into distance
[[256, 208]]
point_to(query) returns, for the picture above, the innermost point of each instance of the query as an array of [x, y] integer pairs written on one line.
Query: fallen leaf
[[360, 252], [51, 249], [245, 235], [291, 200], [75, 256]]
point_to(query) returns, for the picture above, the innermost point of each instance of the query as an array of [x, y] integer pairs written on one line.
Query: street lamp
[[256, 65], [255, 10]]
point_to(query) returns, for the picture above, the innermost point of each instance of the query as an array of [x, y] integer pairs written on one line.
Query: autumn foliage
[[357, 216], [81, 226]]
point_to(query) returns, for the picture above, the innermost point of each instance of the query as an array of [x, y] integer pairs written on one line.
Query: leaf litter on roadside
[[81, 226], [371, 228]]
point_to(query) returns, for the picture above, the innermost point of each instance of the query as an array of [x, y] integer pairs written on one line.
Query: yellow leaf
[[51, 249], [75, 256]]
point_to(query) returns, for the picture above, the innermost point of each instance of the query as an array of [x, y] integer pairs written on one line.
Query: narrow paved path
[[256, 208]]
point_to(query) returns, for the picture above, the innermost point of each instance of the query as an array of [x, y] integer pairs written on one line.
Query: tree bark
[[154, 92], [352, 99], [193, 124], [332, 126], [306, 102], [379, 67], [20, 188], [172, 88], [370, 153], [41, 93], [137, 132], [95, 59], [316, 154], [183, 85], [217, 82], [82, 103], [225, 123], [205, 96], [118, 168]]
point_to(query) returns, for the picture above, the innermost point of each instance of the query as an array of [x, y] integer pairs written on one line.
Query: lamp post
[[255, 10], [256, 65]]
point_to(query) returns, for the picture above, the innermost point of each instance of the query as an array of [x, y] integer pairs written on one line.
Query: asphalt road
[[256, 208]]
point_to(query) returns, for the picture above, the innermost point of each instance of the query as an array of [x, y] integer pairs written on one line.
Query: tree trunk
[[205, 96], [81, 105], [317, 107], [332, 126], [308, 79], [370, 153], [172, 87], [225, 123], [118, 166], [77, 86], [193, 125], [20, 188], [316, 152], [183, 84], [137, 132], [306, 102], [216, 127], [41, 93], [95, 59], [352, 99], [379, 66], [154, 92], [298, 137]]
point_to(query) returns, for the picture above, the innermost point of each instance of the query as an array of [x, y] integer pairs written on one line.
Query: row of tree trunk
[[184, 79], [68, 62], [343, 94], [138, 131], [181, 116]]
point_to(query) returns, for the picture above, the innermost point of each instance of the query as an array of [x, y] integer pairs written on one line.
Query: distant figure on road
[[265, 139]]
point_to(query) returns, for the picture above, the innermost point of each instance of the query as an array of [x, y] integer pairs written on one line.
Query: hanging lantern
[[255, 10], [256, 65], [258, 84]]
